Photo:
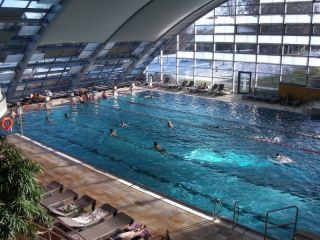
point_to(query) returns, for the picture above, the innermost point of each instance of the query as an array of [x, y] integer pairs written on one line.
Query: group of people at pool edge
[[88, 95]]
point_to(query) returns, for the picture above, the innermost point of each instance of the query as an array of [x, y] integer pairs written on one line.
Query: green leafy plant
[[20, 194]]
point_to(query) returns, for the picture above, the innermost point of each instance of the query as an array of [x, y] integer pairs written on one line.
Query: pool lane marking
[[314, 151], [220, 119], [125, 182]]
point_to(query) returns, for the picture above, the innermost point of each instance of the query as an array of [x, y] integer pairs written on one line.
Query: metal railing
[[215, 213], [236, 212], [294, 222], [218, 206]]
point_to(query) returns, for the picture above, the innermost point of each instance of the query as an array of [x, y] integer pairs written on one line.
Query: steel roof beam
[[31, 48], [98, 50]]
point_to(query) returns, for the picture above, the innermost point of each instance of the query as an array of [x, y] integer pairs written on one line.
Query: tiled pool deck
[[146, 207]]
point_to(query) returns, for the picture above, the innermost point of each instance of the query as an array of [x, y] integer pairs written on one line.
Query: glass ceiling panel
[[15, 4], [35, 4], [29, 30]]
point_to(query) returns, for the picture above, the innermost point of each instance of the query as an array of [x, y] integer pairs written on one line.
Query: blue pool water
[[213, 151]]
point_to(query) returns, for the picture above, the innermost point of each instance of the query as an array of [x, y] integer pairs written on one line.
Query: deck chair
[[57, 198], [104, 229], [194, 89], [80, 204], [214, 88], [53, 187], [87, 219], [220, 89], [188, 86], [165, 82]]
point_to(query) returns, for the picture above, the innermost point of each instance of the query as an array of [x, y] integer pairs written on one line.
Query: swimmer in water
[[113, 133], [170, 124], [157, 147], [266, 139], [283, 159], [276, 140], [148, 96], [66, 115], [123, 125]]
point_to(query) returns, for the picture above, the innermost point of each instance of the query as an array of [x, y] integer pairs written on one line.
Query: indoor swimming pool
[[215, 150]]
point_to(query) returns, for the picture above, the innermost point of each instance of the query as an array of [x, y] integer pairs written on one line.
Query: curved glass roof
[[45, 44]]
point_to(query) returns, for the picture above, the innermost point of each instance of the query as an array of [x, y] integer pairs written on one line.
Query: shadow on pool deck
[[156, 213]]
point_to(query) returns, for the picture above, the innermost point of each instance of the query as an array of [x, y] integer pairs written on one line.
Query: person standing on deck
[[150, 80], [115, 91]]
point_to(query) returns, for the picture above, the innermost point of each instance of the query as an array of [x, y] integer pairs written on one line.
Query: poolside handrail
[[283, 224], [236, 212], [216, 214]]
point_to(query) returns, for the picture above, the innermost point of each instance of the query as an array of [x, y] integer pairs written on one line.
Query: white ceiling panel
[[90, 21], [123, 20], [156, 19]]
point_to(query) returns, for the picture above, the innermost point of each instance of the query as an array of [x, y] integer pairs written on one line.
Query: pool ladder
[[218, 207], [283, 225]]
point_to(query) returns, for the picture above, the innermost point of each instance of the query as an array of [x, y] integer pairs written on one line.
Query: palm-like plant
[[20, 194]]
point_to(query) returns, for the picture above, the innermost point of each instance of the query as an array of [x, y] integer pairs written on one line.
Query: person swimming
[[113, 133], [123, 125], [170, 124], [266, 139], [283, 159], [148, 96], [66, 115], [157, 147], [276, 140], [48, 119]]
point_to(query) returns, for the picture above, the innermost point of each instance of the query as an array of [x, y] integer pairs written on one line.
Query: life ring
[[7, 123]]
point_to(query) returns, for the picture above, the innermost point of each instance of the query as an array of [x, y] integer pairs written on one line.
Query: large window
[[247, 29], [272, 29], [205, 47], [299, 8], [272, 39], [294, 29], [294, 74], [268, 49], [299, 50], [225, 47], [272, 8], [247, 48]]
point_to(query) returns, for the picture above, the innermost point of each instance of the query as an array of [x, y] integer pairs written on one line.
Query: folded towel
[[94, 216]]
